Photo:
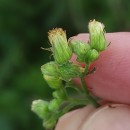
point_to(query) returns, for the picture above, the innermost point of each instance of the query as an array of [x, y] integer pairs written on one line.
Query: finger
[[111, 80], [108, 117], [74, 120]]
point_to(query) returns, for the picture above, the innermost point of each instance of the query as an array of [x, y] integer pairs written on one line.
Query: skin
[[111, 82]]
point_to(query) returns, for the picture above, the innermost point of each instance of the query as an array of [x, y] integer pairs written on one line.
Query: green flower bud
[[59, 94], [70, 70], [91, 55], [50, 123], [80, 49], [40, 107], [54, 104], [97, 37], [61, 51], [50, 69], [53, 82], [56, 94]]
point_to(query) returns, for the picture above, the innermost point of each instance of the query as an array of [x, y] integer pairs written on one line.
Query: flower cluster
[[60, 72]]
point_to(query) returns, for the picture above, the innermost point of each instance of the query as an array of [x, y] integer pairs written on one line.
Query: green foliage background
[[23, 30]]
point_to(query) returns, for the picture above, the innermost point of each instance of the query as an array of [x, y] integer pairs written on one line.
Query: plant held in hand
[[60, 73]]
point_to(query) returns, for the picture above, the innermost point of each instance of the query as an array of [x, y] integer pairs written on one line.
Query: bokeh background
[[23, 30]]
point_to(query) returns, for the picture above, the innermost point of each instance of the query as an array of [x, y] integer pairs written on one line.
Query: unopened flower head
[[91, 55], [40, 107], [50, 69], [50, 123], [61, 51], [59, 94], [80, 49], [54, 104], [53, 82], [97, 37]]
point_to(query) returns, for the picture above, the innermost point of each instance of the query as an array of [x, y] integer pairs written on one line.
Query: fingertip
[[111, 78]]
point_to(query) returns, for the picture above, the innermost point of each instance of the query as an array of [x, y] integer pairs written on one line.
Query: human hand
[[109, 82]]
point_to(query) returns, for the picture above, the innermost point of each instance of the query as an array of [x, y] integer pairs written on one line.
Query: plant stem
[[86, 69], [87, 94], [84, 86], [71, 105]]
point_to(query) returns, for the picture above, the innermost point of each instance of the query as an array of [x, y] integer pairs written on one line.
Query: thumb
[[74, 120], [107, 117]]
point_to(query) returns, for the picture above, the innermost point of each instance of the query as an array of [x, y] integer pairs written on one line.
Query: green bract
[[97, 37], [70, 70], [61, 51]]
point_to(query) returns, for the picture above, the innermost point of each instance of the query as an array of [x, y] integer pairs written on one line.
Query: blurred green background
[[23, 30]]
